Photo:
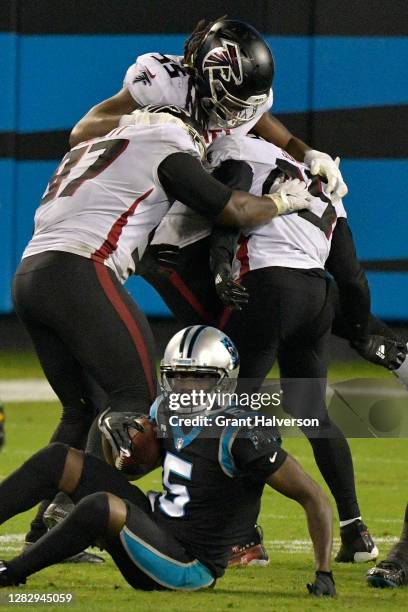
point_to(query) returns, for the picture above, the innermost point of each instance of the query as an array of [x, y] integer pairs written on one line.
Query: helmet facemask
[[228, 111], [198, 386], [232, 69]]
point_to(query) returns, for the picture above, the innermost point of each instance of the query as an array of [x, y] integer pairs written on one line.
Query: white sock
[[349, 521]]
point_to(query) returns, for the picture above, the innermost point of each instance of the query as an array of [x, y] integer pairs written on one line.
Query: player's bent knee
[[117, 514], [72, 472], [92, 513]]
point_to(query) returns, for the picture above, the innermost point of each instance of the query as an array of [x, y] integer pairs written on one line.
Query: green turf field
[[381, 467]]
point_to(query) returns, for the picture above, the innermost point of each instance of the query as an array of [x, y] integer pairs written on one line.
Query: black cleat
[[252, 553], [387, 574], [5, 579], [357, 545], [56, 512], [2, 432]]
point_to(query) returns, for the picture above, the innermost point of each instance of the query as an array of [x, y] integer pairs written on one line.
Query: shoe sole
[[378, 582], [257, 563], [360, 557]]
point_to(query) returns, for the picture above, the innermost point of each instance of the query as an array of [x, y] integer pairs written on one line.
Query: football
[[145, 451]]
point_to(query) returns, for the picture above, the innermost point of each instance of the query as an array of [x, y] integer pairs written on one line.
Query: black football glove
[[323, 585], [381, 350], [115, 428], [231, 293]]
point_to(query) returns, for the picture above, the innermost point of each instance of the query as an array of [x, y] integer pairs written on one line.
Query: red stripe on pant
[[189, 296], [124, 313], [223, 320]]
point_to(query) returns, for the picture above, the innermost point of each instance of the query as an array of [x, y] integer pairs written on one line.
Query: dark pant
[[146, 553], [94, 344], [83, 323]]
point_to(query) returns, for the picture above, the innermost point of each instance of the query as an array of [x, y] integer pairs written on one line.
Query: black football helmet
[[191, 125], [232, 68]]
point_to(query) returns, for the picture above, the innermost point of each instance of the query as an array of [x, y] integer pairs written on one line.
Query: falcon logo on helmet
[[227, 60]]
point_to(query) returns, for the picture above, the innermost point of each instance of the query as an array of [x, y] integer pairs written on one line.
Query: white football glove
[[323, 165], [290, 196]]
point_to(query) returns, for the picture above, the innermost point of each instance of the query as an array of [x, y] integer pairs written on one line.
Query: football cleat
[[85, 557], [55, 513], [357, 545], [5, 579], [2, 433], [253, 553], [387, 574]]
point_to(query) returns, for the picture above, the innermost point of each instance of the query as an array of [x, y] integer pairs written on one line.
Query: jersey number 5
[[173, 501], [109, 150]]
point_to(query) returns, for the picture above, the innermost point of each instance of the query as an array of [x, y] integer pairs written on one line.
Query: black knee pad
[[92, 513]]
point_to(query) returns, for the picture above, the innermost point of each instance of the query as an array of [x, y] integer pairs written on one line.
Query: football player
[[180, 539], [290, 305], [393, 571], [224, 79], [91, 228]]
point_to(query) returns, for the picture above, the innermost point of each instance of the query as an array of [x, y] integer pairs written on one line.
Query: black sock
[[35, 480], [335, 463], [74, 426], [87, 523]]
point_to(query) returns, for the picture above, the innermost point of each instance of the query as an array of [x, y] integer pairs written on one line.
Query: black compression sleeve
[[223, 245], [236, 174], [343, 265], [184, 179], [223, 242]]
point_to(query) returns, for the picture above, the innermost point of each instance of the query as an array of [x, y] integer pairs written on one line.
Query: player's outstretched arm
[[272, 130], [293, 482], [183, 178], [103, 117]]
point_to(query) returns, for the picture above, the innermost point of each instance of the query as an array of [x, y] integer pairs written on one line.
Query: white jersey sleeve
[[157, 79]]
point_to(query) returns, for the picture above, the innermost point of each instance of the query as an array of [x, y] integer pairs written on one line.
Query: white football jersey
[[299, 240], [162, 79], [105, 197]]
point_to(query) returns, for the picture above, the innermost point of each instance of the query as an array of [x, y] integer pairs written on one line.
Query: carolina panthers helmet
[[200, 352], [177, 115], [232, 68]]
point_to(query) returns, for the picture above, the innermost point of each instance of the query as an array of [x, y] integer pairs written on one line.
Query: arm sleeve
[[144, 82], [224, 241], [257, 453], [347, 271], [183, 178]]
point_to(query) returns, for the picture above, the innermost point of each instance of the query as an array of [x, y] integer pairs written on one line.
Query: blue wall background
[[50, 81]]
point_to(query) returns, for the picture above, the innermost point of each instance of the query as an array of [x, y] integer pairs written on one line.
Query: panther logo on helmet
[[227, 60]]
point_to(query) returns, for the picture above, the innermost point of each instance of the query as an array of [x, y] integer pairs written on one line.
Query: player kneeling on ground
[[180, 539]]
